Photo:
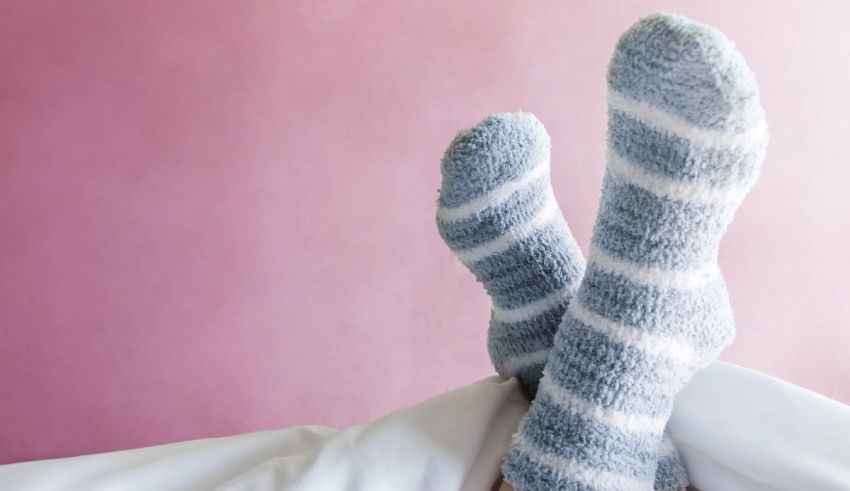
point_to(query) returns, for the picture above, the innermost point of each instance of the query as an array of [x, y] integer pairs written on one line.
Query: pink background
[[217, 217]]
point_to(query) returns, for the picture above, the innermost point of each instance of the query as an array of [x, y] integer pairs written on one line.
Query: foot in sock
[[497, 212], [686, 137]]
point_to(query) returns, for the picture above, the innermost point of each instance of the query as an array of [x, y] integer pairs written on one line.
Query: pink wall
[[217, 217]]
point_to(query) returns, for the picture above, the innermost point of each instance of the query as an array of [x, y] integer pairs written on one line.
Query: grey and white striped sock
[[495, 184], [686, 137], [496, 211]]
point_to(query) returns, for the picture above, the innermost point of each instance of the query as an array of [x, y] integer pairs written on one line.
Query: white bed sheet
[[736, 429]]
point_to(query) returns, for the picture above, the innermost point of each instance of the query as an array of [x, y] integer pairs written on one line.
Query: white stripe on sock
[[667, 187], [590, 476], [535, 308], [544, 215], [627, 422], [665, 121], [512, 366], [651, 344], [494, 197], [682, 279]]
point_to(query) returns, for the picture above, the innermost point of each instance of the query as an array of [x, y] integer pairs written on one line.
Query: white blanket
[[736, 429]]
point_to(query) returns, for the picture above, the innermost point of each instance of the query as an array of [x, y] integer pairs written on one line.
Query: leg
[[498, 214], [686, 138], [495, 177]]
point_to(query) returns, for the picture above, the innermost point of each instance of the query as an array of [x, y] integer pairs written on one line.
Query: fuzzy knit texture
[[495, 186], [496, 211], [686, 137]]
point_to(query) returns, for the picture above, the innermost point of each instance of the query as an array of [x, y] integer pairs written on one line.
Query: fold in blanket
[[735, 428]]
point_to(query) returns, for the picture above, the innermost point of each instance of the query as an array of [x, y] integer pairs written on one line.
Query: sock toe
[[686, 68], [497, 150], [684, 107]]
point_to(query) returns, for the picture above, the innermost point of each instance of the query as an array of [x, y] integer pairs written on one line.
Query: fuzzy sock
[[496, 179], [498, 214], [686, 137]]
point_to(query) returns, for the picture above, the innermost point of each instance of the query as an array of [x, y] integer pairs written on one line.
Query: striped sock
[[498, 214], [496, 180], [686, 137]]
